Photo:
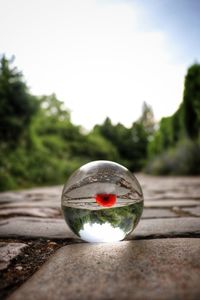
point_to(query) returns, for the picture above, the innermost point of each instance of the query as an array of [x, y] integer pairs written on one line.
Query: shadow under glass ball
[[102, 202]]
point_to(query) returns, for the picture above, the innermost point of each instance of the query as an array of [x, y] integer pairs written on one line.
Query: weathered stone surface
[[169, 227], [151, 269], [171, 203], [43, 212], [24, 227], [33, 204], [34, 194], [175, 195], [172, 187], [8, 251], [195, 211], [157, 213]]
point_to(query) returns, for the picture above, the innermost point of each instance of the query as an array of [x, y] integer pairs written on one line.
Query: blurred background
[[89, 80]]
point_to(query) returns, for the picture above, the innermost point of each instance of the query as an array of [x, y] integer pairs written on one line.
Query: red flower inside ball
[[106, 200]]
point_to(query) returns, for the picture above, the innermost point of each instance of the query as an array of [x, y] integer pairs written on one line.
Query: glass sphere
[[102, 202]]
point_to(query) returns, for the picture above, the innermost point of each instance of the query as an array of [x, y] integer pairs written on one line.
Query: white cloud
[[101, 233], [93, 56]]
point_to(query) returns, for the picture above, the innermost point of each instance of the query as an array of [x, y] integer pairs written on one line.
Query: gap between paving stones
[[30, 259], [8, 251]]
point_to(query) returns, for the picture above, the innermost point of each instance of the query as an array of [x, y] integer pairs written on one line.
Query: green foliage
[[184, 159], [163, 137], [147, 119], [38, 143], [130, 143], [17, 106], [191, 101], [177, 125], [175, 148]]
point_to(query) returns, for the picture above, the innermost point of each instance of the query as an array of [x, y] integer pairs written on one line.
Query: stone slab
[[34, 194], [172, 187], [149, 269], [8, 251], [24, 227], [32, 204], [42, 212], [149, 213], [171, 203], [195, 211], [169, 227]]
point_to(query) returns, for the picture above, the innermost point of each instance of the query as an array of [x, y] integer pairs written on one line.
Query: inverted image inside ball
[[102, 202]]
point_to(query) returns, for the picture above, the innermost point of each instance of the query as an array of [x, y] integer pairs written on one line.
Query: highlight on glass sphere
[[102, 202]]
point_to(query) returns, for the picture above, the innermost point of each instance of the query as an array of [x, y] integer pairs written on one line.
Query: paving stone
[[32, 204], [34, 194], [8, 251], [27, 227], [172, 196], [8, 197], [159, 187], [166, 192], [24, 227], [171, 203], [195, 211], [157, 213], [43, 212], [149, 269], [169, 227]]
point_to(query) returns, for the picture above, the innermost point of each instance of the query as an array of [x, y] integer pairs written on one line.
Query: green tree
[[177, 123], [191, 101], [175, 146], [147, 119], [142, 131], [130, 143], [17, 106]]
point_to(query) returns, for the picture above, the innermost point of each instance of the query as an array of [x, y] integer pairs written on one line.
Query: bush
[[182, 160]]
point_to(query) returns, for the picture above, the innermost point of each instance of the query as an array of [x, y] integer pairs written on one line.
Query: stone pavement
[[41, 259]]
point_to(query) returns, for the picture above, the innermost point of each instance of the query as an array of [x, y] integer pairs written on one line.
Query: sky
[[106, 57]]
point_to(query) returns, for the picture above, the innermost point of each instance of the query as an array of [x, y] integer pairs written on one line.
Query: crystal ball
[[102, 202]]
